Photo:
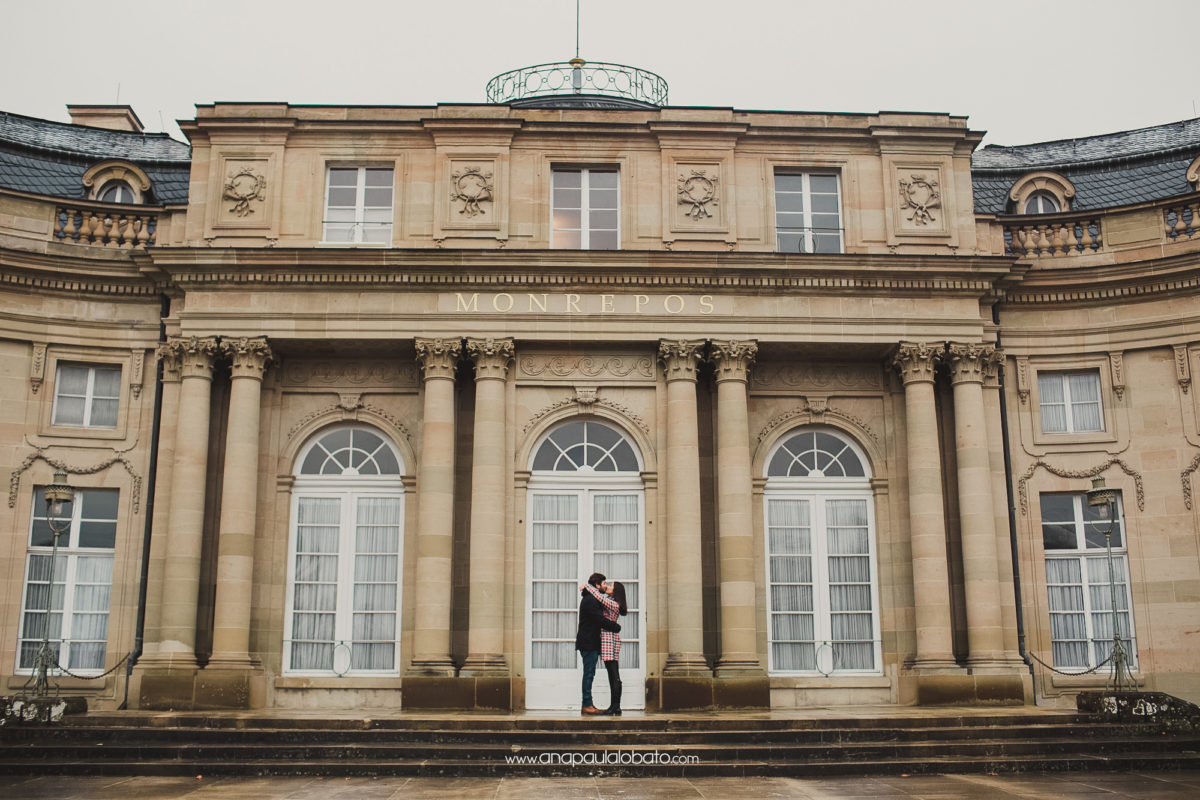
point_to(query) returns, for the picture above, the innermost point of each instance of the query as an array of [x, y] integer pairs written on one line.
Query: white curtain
[[1053, 400], [314, 600], [1085, 401], [376, 579], [555, 580]]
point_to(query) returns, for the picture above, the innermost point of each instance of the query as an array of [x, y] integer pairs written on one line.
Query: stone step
[[723, 768]]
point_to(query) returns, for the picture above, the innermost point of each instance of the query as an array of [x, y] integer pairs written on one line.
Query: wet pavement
[[1184, 785]]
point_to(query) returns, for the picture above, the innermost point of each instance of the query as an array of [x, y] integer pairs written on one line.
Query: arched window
[[1041, 203], [343, 590], [585, 446], [821, 573], [117, 192]]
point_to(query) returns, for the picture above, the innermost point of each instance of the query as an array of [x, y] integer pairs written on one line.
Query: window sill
[[372, 245], [833, 682], [333, 682]]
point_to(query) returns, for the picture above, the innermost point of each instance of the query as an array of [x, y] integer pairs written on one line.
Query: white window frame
[[66, 572], [585, 210], [558, 688], [1082, 554], [1069, 404], [1046, 203], [347, 489], [807, 230], [817, 491], [359, 225], [89, 396]]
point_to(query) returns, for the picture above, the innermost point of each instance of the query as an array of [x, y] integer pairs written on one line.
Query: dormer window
[[1041, 193], [1041, 203], [117, 182], [117, 192]]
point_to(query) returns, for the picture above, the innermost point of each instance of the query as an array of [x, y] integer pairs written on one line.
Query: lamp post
[[1103, 499], [59, 495]]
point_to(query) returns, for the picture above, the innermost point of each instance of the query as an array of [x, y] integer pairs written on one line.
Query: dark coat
[[591, 620]]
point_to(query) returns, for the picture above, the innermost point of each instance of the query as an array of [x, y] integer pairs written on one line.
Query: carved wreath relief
[[472, 186], [244, 186], [921, 196], [697, 191]]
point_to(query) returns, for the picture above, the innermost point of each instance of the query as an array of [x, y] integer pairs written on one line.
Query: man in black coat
[[587, 640]]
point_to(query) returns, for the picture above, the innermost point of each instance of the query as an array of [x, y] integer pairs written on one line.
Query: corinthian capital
[[195, 354], [915, 361], [491, 357], [968, 362], [679, 358], [249, 357], [438, 357], [168, 356], [733, 359]]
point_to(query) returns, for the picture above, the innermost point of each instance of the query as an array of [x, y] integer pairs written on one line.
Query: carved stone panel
[[599, 367], [921, 200], [473, 195], [244, 193], [696, 199], [816, 376], [347, 374]]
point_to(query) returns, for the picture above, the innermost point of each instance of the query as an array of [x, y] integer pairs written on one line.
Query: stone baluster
[[68, 229]]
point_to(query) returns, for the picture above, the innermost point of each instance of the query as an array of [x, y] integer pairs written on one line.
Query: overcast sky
[[1023, 70]]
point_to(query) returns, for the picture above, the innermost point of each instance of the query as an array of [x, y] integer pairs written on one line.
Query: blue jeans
[[590, 657]]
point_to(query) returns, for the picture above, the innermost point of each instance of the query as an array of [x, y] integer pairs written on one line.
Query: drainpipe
[[1012, 509], [139, 635]]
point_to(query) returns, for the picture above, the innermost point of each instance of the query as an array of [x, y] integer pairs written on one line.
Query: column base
[[703, 692], [686, 665], [738, 668], [440, 666], [193, 689], [469, 693], [484, 664], [960, 686]]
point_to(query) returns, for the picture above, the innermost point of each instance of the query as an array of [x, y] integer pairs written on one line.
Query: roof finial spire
[[576, 28]]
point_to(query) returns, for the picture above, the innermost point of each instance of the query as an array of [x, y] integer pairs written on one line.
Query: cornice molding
[[1103, 284]]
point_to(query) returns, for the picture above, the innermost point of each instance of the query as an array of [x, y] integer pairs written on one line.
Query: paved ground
[[1069, 786]]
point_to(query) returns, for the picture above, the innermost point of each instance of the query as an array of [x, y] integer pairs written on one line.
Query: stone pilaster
[[976, 510], [735, 533], [168, 358], [181, 569], [916, 363], [485, 614], [435, 503], [685, 627], [249, 359]]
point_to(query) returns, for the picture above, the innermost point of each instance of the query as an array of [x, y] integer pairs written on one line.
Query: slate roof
[[1115, 169], [44, 157]]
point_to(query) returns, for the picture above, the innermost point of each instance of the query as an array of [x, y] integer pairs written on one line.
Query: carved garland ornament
[[39, 454], [584, 399], [37, 372], [1186, 477], [472, 186], [1183, 372], [815, 408], [563, 367], [1023, 490], [345, 408], [697, 191], [921, 196], [243, 186]]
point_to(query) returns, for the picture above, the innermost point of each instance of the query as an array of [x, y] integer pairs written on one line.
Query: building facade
[[354, 399]]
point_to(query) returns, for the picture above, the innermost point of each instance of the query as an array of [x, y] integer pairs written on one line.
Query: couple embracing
[[599, 638]]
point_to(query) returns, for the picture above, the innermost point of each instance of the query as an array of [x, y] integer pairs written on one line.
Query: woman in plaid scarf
[[612, 597]]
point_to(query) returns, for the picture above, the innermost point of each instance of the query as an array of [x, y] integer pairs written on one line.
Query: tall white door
[[574, 532]]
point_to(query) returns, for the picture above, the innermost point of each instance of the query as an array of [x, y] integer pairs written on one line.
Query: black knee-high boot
[[614, 687]]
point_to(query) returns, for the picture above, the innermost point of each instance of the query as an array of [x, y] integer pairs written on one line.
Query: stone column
[[239, 504], [735, 534], [169, 359], [1004, 560], [435, 504], [485, 613], [976, 512], [181, 571], [685, 617], [916, 362]]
